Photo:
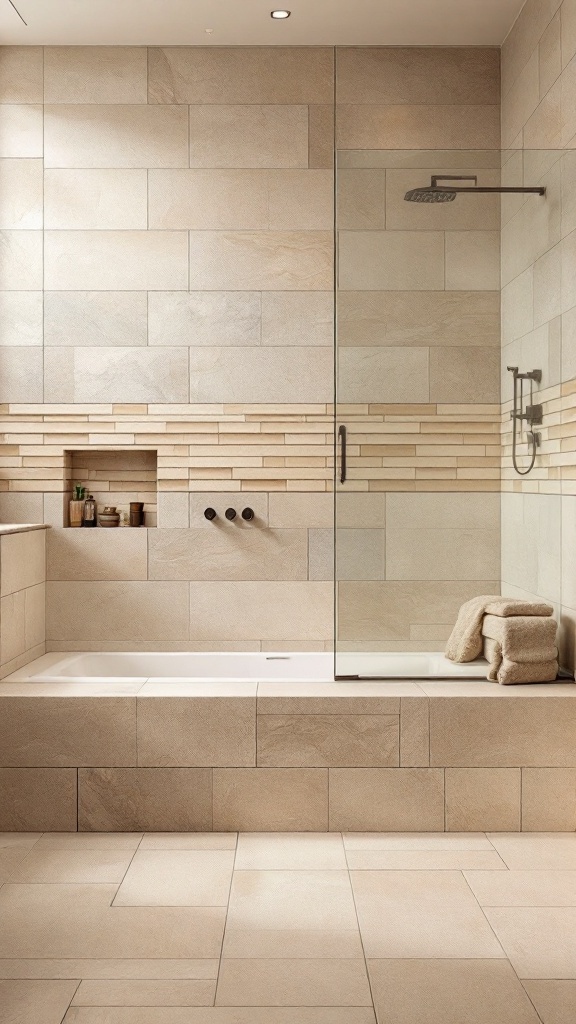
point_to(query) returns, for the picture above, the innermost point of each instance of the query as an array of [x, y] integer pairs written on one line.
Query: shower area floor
[[287, 929]]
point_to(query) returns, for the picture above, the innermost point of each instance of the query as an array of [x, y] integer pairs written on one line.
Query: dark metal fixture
[[342, 437], [435, 193], [230, 514], [532, 416], [248, 514], [210, 513]]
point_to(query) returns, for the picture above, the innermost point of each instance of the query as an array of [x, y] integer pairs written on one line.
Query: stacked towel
[[518, 638]]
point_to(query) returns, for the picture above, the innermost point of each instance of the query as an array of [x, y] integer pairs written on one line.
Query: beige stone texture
[[115, 135], [376, 260], [475, 990], [20, 193], [95, 74], [81, 318], [548, 799], [249, 135], [385, 74], [227, 554], [21, 318], [20, 374], [177, 878], [117, 611], [97, 556], [483, 798], [555, 1001], [21, 132], [262, 260], [293, 983], [386, 799], [272, 851], [298, 318], [330, 741], [266, 611], [257, 375], [196, 732], [95, 199], [43, 798], [252, 75], [62, 732], [480, 732], [37, 1002], [523, 888], [320, 135], [464, 374], [140, 993], [441, 554], [21, 74], [417, 126], [383, 374], [55, 866], [121, 799], [123, 260], [423, 318], [414, 733], [22, 561], [472, 260], [20, 261], [271, 799], [299, 510], [204, 318], [529, 936]]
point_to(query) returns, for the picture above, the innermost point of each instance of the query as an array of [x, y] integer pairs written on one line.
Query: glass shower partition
[[417, 505]]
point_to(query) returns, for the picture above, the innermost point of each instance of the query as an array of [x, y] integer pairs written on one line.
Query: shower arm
[[539, 190]]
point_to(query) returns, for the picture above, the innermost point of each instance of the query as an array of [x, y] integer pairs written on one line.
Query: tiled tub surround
[[127, 756], [22, 596]]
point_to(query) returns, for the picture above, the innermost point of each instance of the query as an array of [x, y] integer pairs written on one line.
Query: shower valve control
[[248, 514], [210, 513], [230, 514]]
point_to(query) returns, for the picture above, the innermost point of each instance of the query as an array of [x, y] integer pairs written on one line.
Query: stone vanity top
[[6, 528]]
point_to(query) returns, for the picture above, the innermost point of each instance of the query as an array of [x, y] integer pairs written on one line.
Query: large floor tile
[[554, 1000], [420, 914], [189, 841], [10, 860], [287, 914], [523, 888], [34, 1002], [449, 841], [145, 993], [61, 921], [45, 865], [89, 841], [544, 850], [177, 878], [156, 969], [539, 941], [289, 851], [448, 992], [23, 839], [293, 983], [418, 860], [220, 1015]]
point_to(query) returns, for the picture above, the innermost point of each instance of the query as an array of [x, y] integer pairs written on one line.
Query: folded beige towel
[[509, 672], [465, 643], [523, 638]]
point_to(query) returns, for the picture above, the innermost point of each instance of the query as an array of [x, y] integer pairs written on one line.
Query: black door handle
[[342, 436]]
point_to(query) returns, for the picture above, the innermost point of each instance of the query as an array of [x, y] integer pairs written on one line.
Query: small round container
[[136, 513], [110, 516]]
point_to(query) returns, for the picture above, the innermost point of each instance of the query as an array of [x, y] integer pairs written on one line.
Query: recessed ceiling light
[[280, 15]]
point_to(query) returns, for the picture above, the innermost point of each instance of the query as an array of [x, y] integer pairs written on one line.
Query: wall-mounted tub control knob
[[248, 514], [230, 514], [210, 513]]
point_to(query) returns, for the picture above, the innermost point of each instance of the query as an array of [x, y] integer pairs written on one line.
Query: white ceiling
[[248, 22]]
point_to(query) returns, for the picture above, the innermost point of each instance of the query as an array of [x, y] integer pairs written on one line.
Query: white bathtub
[[240, 667]]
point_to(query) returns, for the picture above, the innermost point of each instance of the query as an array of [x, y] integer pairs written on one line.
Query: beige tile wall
[[22, 599], [539, 302], [166, 282]]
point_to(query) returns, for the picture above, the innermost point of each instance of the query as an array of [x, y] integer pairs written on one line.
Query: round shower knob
[[248, 514], [210, 513], [230, 514]]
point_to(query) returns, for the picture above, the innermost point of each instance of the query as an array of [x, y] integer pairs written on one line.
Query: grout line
[[226, 918]]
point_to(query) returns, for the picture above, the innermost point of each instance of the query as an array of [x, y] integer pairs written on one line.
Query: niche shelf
[[114, 477]]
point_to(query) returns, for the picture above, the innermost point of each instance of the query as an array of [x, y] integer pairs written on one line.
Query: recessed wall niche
[[115, 477]]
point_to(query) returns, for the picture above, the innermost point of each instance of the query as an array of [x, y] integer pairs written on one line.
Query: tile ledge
[[7, 528]]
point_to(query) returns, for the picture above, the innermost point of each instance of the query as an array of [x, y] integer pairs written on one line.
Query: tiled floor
[[288, 929]]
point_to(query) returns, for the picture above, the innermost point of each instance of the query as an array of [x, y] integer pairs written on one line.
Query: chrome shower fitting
[[532, 416]]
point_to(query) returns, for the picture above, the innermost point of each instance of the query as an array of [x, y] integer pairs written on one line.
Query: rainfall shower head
[[435, 193]]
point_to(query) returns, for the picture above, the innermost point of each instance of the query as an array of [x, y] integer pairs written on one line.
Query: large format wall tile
[[21, 130], [20, 193], [386, 799], [426, 126], [383, 374], [274, 374], [20, 260], [196, 732], [419, 318], [465, 375], [271, 799], [204, 318], [93, 135], [290, 260], [327, 741], [117, 611], [21, 74], [473, 260], [367, 75], [114, 199], [376, 260], [260, 611], [442, 554], [95, 318], [298, 318], [227, 553], [248, 135], [483, 799], [21, 318], [150, 799], [52, 732], [95, 74], [449, 511], [114, 260], [38, 798], [116, 374], [240, 74], [73, 555], [20, 374], [22, 561]]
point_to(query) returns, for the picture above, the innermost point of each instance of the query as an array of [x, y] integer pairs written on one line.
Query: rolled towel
[[465, 643], [523, 638]]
